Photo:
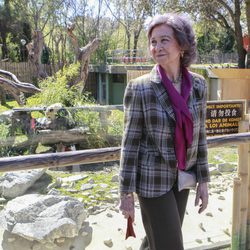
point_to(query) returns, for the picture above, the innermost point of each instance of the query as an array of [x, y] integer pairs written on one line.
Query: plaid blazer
[[148, 161]]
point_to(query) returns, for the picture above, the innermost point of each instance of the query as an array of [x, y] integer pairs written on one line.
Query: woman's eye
[[153, 43], [164, 40]]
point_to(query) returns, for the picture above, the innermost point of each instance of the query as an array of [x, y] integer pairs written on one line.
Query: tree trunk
[[4, 46], [239, 36], [82, 55], [128, 45], [248, 30], [15, 87], [2, 97], [35, 52], [136, 38]]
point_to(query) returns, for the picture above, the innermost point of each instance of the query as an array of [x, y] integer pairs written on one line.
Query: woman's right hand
[[127, 205]]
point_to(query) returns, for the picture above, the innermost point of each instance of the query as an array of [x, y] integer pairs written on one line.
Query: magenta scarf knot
[[184, 123]]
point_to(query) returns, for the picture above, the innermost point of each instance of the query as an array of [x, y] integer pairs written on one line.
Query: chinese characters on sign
[[224, 117]]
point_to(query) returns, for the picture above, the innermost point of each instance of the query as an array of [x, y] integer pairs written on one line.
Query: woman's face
[[163, 46]]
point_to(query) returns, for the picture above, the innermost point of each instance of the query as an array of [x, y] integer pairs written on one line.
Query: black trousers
[[162, 219]]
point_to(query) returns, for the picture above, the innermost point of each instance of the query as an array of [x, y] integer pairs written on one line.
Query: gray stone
[[86, 186], [43, 218], [115, 178], [54, 191], [226, 167], [15, 242], [209, 214], [103, 185], [108, 243], [14, 184], [72, 190], [2, 200], [74, 178], [214, 171], [91, 181], [114, 191], [221, 198]]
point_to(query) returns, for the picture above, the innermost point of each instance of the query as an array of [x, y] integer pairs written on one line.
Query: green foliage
[[56, 89], [115, 122], [102, 194], [4, 134], [92, 121], [223, 154], [226, 42]]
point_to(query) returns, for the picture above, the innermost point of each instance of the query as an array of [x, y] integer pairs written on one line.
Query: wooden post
[[235, 245], [243, 174], [248, 210]]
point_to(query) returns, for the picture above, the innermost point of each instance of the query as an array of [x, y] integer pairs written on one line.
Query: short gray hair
[[183, 33]]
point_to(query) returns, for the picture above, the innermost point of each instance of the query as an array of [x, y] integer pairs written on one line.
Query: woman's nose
[[158, 46]]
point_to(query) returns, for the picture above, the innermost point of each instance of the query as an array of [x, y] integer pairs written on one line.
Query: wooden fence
[[241, 199], [25, 71]]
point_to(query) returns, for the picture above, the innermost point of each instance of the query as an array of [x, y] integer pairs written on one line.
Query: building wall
[[234, 83]]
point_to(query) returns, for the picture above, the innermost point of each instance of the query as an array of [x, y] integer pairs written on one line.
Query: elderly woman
[[164, 134]]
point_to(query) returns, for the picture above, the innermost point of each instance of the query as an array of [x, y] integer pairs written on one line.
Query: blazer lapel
[[190, 99], [161, 93]]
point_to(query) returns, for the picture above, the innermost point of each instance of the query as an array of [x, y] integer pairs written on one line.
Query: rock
[[115, 209], [80, 199], [209, 214], [114, 191], [115, 178], [103, 185], [199, 241], [72, 190], [2, 200], [214, 171], [226, 167], [129, 248], [51, 185], [74, 178], [226, 231], [43, 218], [72, 184], [86, 186], [86, 231], [77, 243], [202, 227], [14, 184], [108, 243], [91, 181], [54, 191], [115, 197], [221, 198]]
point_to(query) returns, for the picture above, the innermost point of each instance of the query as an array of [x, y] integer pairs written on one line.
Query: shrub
[[56, 89], [4, 135]]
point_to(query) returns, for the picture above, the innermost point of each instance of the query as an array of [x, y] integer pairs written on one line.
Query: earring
[[182, 54]]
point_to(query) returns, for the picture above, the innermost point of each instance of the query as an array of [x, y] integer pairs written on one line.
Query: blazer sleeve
[[202, 159], [133, 124]]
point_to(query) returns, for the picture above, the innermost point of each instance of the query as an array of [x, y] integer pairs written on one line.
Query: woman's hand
[[127, 205], [201, 194]]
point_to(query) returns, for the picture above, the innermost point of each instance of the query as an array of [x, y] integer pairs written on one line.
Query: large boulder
[[14, 184], [48, 221]]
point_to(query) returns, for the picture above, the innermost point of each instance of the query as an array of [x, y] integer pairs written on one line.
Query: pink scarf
[[184, 124]]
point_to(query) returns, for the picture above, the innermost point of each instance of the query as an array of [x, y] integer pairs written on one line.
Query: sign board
[[223, 116]]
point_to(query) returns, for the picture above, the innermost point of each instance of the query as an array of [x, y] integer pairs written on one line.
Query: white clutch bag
[[186, 180]]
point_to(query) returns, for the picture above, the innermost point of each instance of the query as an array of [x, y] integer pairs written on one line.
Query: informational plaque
[[223, 117]]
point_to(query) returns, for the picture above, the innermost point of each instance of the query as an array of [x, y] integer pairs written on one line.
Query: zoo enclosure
[[241, 199]]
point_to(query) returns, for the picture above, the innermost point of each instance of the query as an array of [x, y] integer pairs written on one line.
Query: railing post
[[248, 210], [243, 175], [235, 240]]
